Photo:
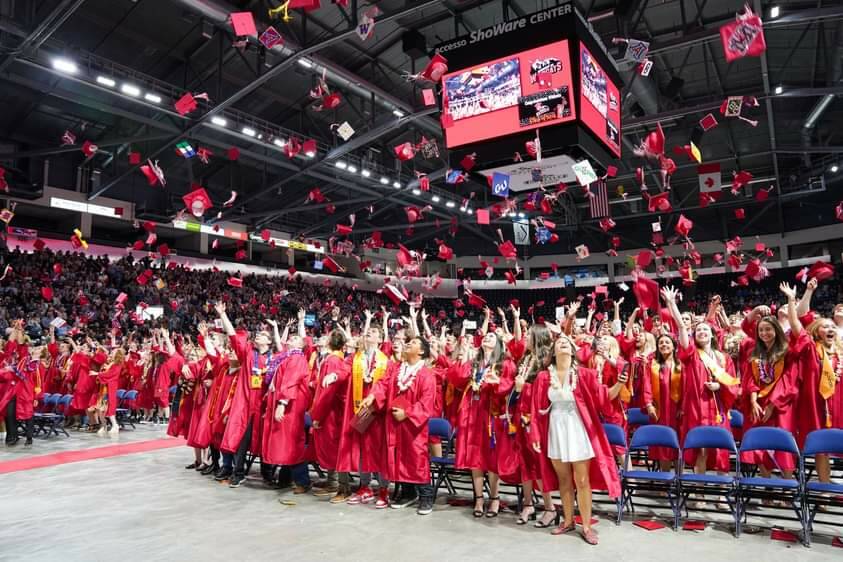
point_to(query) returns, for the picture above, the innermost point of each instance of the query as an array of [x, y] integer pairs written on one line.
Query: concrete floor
[[147, 507]]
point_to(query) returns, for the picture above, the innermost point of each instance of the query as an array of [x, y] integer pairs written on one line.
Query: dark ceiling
[[170, 47]]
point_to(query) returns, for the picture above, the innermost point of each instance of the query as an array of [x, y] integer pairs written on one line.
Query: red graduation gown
[[166, 376], [208, 402], [810, 406], [246, 402], [592, 400], [284, 441], [667, 409], [327, 410], [700, 406], [360, 451], [478, 418], [516, 458], [22, 379], [407, 458], [180, 423], [85, 383]]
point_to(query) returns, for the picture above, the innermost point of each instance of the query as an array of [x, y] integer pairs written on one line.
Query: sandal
[[530, 517], [542, 524], [589, 536], [478, 512], [562, 529], [489, 513]]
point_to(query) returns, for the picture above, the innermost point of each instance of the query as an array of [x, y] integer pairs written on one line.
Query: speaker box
[[414, 44]]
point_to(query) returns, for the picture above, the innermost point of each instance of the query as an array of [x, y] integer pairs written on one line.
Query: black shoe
[[404, 502], [191, 466], [28, 443], [12, 442], [396, 493], [210, 469], [236, 481], [425, 506], [223, 474]]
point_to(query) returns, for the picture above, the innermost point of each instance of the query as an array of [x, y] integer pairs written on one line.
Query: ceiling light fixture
[[106, 81], [384, 180], [279, 142], [154, 98], [450, 204], [365, 173], [130, 90], [416, 191], [352, 168], [436, 199], [341, 164], [219, 121], [774, 12], [249, 132], [65, 65], [778, 90], [396, 184]]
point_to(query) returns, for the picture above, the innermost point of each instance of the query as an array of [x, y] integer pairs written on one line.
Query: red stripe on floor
[[66, 457]]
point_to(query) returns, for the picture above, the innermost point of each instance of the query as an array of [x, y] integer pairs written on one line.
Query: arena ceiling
[[167, 48]]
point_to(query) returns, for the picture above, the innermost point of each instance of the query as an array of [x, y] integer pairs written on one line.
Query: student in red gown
[[287, 401], [709, 387], [85, 383], [108, 379], [568, 402], [242, 432], [662, 395], [364, 452], [484, 382], [819, 369], [406, 395], [769, 387], [205, 392], [23, 377], [190, 397], [326, 414]]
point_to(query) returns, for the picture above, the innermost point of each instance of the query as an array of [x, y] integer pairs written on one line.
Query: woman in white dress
[[567, 404]]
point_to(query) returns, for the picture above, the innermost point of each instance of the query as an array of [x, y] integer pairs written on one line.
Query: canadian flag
[[710, 180]]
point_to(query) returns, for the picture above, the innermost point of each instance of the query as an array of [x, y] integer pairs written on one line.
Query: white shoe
[[113, 431], [101, 431]]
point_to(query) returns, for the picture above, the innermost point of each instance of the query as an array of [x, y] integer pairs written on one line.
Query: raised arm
[[617, 326], [669, 296], [504, 325], [630, 322], [165, 335], [412, 321], [301, 326], [516, 322], [487, 315], [792, 313], [804, 305], [276, 337], [368, 323], [227, 327], [385, 326], [425, 326]]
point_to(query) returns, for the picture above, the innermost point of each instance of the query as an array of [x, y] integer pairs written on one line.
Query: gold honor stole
[[675, 381], [358, 369], [719, 374], [778, 369], [828, 380]]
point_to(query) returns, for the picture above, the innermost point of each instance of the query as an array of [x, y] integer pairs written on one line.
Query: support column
[[85, 223], [203, 242], [783, 252]]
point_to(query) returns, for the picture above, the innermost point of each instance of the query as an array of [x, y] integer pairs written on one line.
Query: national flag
[[710, 180], [598, 202]]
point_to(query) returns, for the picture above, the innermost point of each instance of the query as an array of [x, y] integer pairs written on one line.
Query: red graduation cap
[[153, 172], [434, 70], [734, 261], [405, 151], [740, 179], [510, 277], [683, 226], [39, 244], [343, 230], [644, 258], [47, 293], [429, 97], [507, 249], [763, 194], [89, 149], [708, 122], [414, 213], [468, 161], [164, 250], [393, 293], [607, 224], [243, 24], [186, 104], [821, 271], [265, 235], [484, 218], [740, 213], [445, 252], [240, 255], [197, 202], [753, 268], [235, 282], [646, 291], [474, 299], [309, 148], [331, 265], [134, 158], [659, 203], [233, 153], [57, 268]]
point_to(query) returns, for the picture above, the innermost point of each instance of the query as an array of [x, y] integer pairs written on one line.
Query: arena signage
[[498, 30]]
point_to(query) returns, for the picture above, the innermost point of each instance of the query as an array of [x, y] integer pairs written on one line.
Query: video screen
[[600, 107], [484, 89], [519, 92]]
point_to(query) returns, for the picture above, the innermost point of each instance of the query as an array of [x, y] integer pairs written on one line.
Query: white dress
[[567, 439]]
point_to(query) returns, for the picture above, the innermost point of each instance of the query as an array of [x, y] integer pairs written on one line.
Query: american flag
[[598, 202]]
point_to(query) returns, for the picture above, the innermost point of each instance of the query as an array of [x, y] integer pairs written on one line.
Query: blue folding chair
[[771, 440], [123, 413], [617, 438], [121, 393], [637, 417], [736, 423], [827, 495], [441, 467], [707, 437], [652, 480]]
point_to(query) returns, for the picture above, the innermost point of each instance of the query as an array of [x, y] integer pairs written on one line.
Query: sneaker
[[223, 474], [363, 495], [425, 506], [236, 481], [114, 431], [28, 443], [404, 502], [383, 498], [101, 431], [210, 469], [325, 492], [340, 497]]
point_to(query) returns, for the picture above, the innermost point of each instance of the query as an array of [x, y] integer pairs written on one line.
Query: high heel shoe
[[489, 513], [542, 524], [478, 512], [530, 517]]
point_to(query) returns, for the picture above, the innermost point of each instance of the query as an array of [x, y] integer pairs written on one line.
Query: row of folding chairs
[[802, 495], [50, 420]]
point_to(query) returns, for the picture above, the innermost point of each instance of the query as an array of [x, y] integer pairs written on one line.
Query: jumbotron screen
[[600, 105], [516, 93]]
